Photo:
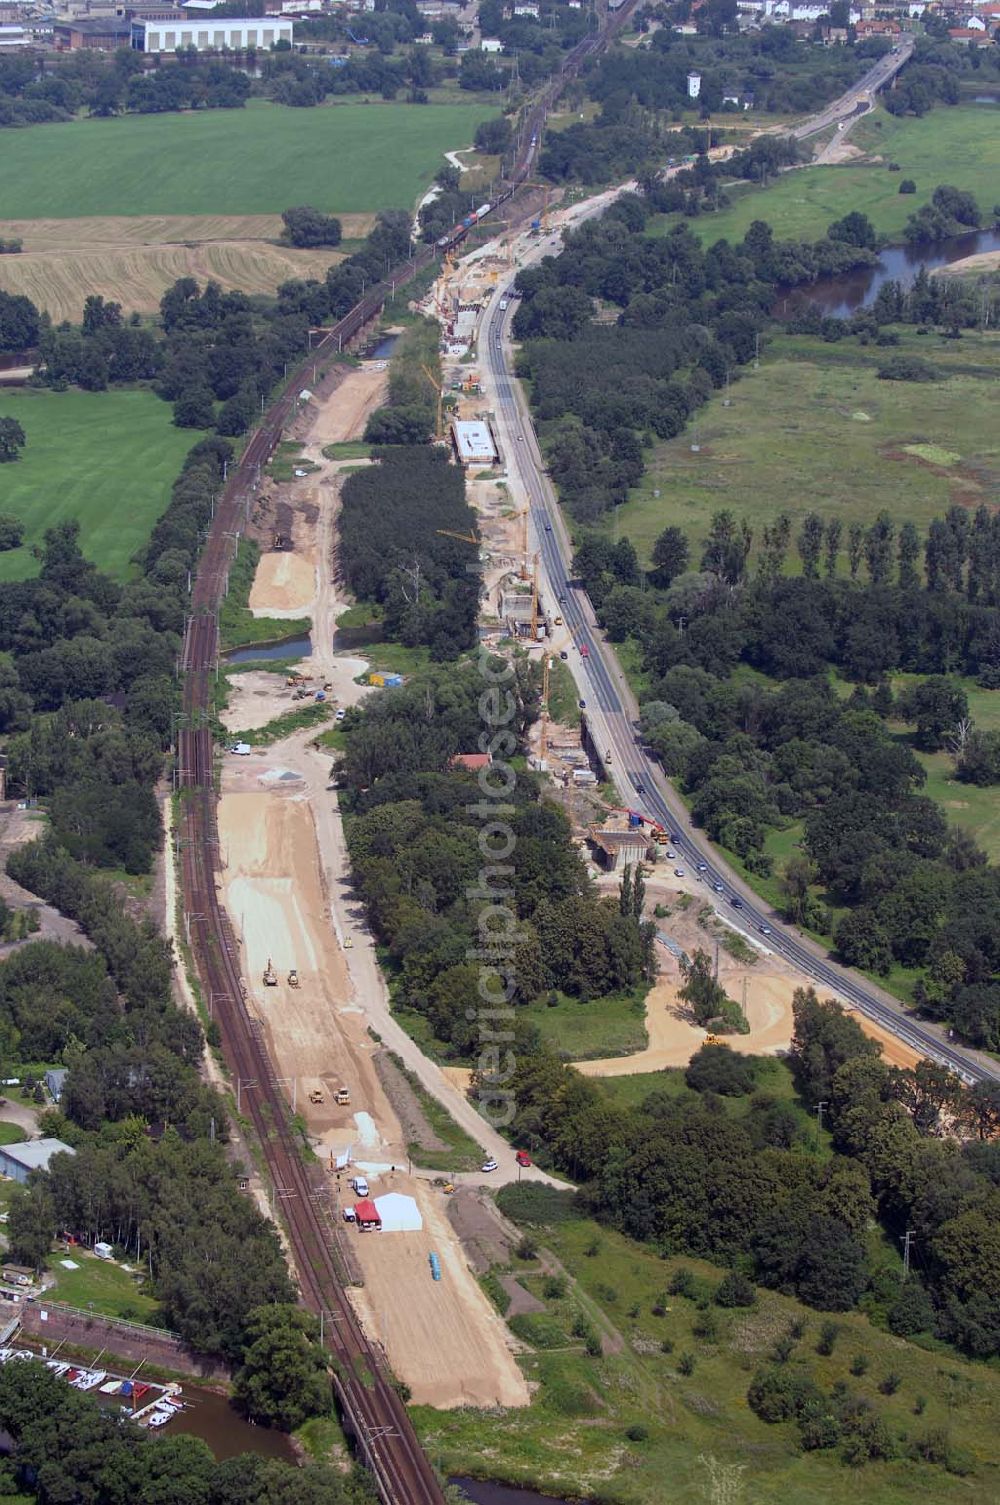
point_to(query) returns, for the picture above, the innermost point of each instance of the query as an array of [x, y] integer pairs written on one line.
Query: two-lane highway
[[611, 710]]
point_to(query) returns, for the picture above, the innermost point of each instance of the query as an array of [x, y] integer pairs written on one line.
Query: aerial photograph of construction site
[[499, 743]]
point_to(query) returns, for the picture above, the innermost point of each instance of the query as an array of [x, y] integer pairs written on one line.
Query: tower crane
[[439, 390], [462, 537]]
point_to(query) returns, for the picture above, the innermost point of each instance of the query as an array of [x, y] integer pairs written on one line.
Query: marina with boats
[[148, 1403]]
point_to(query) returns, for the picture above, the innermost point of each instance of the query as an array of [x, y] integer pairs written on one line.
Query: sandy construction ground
[[284, 582], [274, 897], [442, 1337], [255, 698], [343, 415], [673, 1039]]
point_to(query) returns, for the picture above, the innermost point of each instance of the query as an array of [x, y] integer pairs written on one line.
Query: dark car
[[736, 902], [582, 705], [564, 654]]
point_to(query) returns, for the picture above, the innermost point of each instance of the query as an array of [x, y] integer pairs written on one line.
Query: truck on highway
[[584, 651]]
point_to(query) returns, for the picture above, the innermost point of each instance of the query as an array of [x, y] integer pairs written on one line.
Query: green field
[[960, 146], [348, 157], [101, 1285], [107, 459], [631, 1427], [814, 429], [612, 1026], [975, 809]]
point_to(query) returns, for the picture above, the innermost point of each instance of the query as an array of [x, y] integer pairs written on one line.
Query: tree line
[[66, 1447], [687, 320], [393, 550], [750, 1190], [413, 839], [757, 756], [105, 84]]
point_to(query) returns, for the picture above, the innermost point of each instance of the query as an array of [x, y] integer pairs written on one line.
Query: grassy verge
[[106, 460], [283, 726], [238, 627], [462, 1154], [614, 1427], [563, 695], [347, 449]]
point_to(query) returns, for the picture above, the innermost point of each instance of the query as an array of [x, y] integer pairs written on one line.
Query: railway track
[[372, 1409]]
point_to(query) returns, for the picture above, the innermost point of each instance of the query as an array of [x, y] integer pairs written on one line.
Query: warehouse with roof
[[473, 442], [209, 34], [18, 1160]]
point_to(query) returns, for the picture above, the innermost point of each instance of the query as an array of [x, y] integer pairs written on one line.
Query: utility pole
[[907, 1240], [819, 1114]]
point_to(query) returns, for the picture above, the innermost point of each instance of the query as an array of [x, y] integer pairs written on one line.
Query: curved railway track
[[372, 1409]]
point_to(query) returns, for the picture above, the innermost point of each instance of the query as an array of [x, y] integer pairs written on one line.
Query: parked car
[[678, 872], [488, 1165], [360, 1185]]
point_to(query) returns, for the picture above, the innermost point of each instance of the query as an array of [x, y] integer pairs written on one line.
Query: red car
[[522, 1157]]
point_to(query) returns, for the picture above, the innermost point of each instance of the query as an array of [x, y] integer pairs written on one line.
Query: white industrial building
[[235, 34], [474, 442]]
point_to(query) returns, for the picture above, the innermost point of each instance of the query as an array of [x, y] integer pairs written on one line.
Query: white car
[[488, 1165], [678, 872], [340, 714], [671, 855], [360, 1185]]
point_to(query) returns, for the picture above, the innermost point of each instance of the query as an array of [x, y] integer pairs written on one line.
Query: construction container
[[376, 679]]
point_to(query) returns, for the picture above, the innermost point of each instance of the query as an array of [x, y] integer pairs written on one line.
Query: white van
[[360, 1185]]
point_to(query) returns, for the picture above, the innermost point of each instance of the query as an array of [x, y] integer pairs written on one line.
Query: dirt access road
[[287, 890]]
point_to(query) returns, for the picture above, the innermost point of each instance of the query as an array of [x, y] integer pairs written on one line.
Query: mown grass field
[[254, 161], [960, 146], [107, 459], [698, 1440], [814, 429], [612, 1026], [975, 809], [102, 1285]]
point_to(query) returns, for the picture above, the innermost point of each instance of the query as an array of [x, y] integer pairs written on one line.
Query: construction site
[[313, 983]]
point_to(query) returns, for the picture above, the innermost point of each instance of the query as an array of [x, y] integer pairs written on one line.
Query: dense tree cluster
[[950, 212], [783, 74], [750, 1190], [413, 836], [109, 84], [754, 756], [687, 319], [65, 1447], [392, 549]]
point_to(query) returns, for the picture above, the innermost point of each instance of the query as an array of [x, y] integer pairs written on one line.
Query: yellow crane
[[534, 601], [439, 389], [462, 537]]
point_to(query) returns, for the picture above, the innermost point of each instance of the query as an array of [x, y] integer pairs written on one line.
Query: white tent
[[399, 1214]]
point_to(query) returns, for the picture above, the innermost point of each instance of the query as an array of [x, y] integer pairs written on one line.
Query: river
[[483, 1493], [839, 297]]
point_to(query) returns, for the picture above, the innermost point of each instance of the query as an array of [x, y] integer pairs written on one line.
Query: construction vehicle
[[348, 942], [297, 679], [301, 695], [343, 1098], [293, 978], [316, 1095], [716, 1040], [270, 975]]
